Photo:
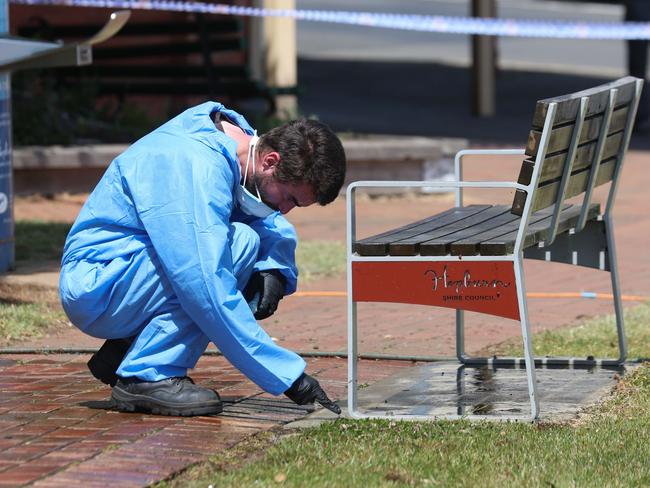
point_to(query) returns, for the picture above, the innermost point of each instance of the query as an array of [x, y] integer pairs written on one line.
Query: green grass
[[596, 337], [605, 446], [320, 259], [24, 320], [28, 311], [40, 241]]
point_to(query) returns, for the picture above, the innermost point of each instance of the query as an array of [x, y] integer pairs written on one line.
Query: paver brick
[[67, 456], [5, 463], [130, 432], [95, 444], [74, 413], [39, 407], [74, 433], [9, 443], [24, 474]]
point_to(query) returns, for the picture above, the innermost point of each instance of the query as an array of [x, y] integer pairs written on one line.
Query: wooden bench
[[471, 257], [197, 56]]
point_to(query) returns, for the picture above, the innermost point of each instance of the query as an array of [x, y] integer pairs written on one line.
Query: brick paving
[[53, 434], [56, 429]]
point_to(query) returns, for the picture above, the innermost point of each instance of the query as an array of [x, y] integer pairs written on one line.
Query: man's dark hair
[[309, 153]]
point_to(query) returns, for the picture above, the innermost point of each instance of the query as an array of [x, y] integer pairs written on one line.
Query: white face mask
[[249, 203]]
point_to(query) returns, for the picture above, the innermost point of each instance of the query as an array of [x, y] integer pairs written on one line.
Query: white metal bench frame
[[516, 257]]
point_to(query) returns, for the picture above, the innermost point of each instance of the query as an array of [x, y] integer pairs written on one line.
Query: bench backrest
[[577, 142]]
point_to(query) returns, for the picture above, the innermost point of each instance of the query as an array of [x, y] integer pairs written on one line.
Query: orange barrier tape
[[320, 294], [602, 296]]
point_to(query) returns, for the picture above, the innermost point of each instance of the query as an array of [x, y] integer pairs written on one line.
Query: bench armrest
[[436, 184], [458, 164]]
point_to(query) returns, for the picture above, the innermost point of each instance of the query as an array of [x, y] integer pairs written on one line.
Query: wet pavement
[[447, 389]]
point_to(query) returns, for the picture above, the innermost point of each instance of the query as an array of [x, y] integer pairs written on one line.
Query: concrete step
[[76, 169]]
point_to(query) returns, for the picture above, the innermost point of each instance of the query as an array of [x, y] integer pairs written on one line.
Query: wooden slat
[[153, 71], [234, 88], [411, 246], [561, 136], [554, 165], [377, 245], [490, 232], [226, 25], [547, 194], [471, 246], [167, 49], [537, 230], [442, 246], [568, 105]]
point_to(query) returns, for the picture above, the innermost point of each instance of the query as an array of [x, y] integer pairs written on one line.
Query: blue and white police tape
[[419, 23]]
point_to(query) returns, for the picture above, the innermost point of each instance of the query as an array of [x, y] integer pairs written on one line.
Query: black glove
[[307, 390], [264, 291]]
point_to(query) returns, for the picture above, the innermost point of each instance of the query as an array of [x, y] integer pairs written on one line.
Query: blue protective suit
[[160, 250]]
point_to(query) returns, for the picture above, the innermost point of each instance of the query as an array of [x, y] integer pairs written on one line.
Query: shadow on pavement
[[428, 99]]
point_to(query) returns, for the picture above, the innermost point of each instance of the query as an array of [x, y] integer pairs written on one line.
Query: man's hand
[[307, 390], [264, 291]]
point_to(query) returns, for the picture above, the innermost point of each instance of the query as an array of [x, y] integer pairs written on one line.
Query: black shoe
[[173, 396], [104, 363]]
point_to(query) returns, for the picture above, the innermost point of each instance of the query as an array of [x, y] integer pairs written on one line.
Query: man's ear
[[270, 160]]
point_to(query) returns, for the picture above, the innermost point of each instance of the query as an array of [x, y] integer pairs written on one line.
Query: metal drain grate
[[266, 409]]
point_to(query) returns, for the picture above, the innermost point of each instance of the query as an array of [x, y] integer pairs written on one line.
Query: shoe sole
[[128, 402]]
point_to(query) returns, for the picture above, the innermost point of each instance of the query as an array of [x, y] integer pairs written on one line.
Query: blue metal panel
[[6, 197], [6, 200], [4, 16]]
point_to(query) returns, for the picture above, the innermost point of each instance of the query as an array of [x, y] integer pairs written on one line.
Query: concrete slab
[[76, 169], [447, 388], [36, 274]]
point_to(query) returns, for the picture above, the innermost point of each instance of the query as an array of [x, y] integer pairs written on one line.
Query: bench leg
[[352, 356], [527, 337], [616, 290], [526, 334], [460, 335]]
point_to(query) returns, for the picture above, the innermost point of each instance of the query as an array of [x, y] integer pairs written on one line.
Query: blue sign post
[[6, 200]]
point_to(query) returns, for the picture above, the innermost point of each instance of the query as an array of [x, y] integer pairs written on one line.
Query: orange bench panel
[[480, 286]]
